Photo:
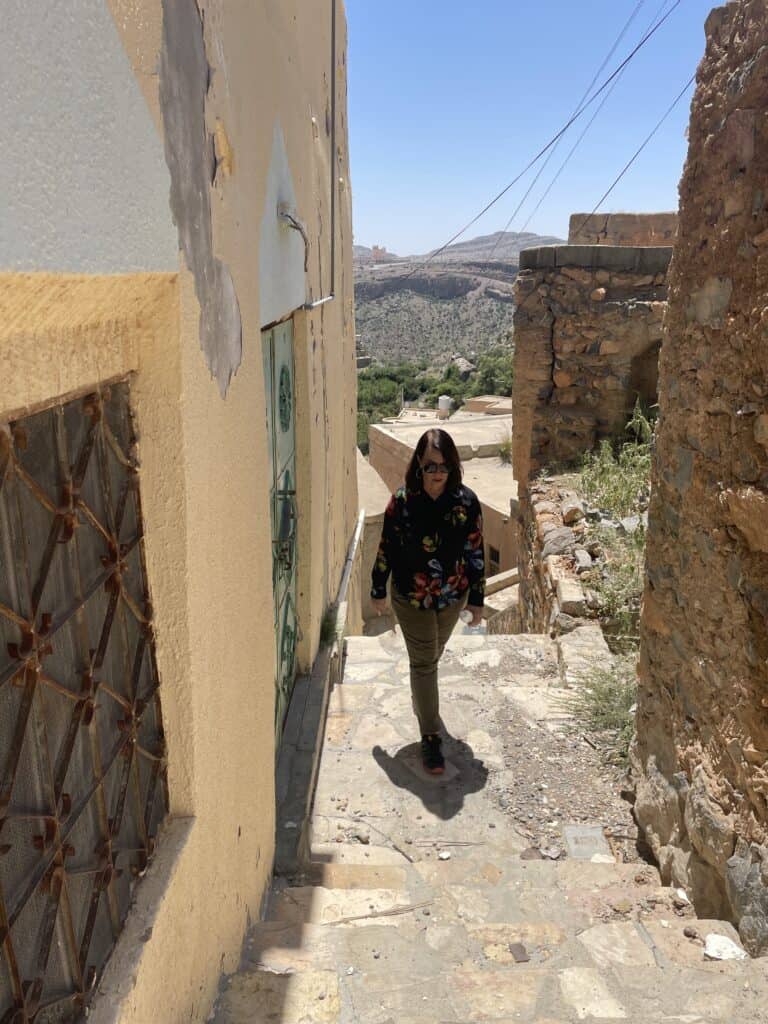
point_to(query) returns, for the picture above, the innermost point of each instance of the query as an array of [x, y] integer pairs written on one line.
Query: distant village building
[[177, 478]]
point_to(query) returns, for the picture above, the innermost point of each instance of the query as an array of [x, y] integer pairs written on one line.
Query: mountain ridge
[[413, 308]]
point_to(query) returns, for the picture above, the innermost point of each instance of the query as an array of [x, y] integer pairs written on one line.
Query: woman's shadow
[[442, 795]]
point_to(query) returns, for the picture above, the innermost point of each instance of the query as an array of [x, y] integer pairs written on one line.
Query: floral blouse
[[433, 548]]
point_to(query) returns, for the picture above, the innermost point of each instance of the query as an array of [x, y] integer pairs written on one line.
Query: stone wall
[[587, 336], [554, 553], [622, 229], [702, 751]]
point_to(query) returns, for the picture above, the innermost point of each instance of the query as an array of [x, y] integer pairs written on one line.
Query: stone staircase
[[419, 904]]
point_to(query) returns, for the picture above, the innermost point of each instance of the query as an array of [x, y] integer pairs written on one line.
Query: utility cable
[[551, 142], [581, 137], [637, 152], [587, 91]]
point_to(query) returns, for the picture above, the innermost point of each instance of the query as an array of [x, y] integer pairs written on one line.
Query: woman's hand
[[476, 613], [379, 605]]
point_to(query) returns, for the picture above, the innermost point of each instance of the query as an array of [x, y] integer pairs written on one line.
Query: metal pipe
[[332, 168], [341, 605]]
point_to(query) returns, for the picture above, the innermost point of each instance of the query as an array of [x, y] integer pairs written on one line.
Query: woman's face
[[433, 480]]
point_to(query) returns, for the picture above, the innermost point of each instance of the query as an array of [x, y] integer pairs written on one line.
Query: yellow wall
[[205, 481]]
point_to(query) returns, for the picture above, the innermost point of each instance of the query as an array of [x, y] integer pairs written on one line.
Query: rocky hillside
[[461, 302]]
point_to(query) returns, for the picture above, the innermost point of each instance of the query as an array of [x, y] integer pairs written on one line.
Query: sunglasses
[[435, 467]]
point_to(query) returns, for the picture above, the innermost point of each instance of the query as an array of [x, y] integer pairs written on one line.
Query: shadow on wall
[[644, 376]]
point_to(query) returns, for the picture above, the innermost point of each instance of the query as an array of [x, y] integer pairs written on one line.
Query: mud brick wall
[[622, 229], [587, 336], [701, 760]]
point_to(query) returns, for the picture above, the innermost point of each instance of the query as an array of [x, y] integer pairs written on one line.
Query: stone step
[[528, 971], [417, 905]]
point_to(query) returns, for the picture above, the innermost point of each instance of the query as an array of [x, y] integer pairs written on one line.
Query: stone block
[[711, 830], [707, 304], [746, 880], [587, 842], [539, 258], [559, 542], [617, 943], [583, 560], [586, 993], [570, 597], [748, 511], [572, 510]]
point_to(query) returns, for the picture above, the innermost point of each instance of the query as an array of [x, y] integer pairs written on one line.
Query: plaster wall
[[701, 762], [82, 175], [205, 471]]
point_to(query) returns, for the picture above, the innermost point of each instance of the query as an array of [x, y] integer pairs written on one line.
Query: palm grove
[[383, 390]]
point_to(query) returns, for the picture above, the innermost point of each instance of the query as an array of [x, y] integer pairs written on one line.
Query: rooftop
[[474, 434]]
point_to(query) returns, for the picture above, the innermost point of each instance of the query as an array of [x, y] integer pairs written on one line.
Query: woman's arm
[[382, 565], [474, 558]]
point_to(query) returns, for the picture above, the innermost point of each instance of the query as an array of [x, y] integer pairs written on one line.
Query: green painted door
[[279, 384]]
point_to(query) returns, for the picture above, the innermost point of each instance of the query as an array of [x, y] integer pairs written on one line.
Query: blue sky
[[448, 101]]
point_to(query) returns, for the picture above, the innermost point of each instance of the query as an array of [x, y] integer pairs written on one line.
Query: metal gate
[[82, 752], [279, 385]]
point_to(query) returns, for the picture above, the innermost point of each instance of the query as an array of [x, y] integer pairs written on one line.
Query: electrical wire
[[581, 137], [552, 141], [637, 152], [587, 91]]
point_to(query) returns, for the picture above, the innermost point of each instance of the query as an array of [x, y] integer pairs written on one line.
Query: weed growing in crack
[[618, 583], [505, 448], [616, 479], [603, 706]]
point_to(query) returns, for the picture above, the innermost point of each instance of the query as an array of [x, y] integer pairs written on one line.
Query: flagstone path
[[419, 905]]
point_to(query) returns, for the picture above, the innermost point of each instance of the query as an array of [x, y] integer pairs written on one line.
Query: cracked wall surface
[[701, 761], [192, 161], [587, 336], [217, 82]]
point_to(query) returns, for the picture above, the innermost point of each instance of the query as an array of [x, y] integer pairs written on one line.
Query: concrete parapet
[[628, 259], [622, 229]]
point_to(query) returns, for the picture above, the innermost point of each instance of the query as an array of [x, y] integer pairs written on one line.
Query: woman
[[432, 543]]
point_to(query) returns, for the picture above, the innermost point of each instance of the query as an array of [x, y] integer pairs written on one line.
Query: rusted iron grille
[[82, 754]]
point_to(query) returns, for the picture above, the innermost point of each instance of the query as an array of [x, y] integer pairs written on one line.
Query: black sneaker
[[431, 754]]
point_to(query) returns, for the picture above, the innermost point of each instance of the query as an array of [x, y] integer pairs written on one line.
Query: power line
[[551, 142], [581, 137], [587, 91], [638, 151]]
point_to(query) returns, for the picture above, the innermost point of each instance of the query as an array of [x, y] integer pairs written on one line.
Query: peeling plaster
[[282, 285], [189, 152]]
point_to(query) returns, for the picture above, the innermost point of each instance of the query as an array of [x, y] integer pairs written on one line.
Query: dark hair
[[443, 442]]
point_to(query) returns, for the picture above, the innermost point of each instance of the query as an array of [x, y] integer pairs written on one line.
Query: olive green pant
[[426, 633]]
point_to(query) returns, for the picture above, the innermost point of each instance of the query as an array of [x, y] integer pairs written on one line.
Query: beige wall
[[205, 477]]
